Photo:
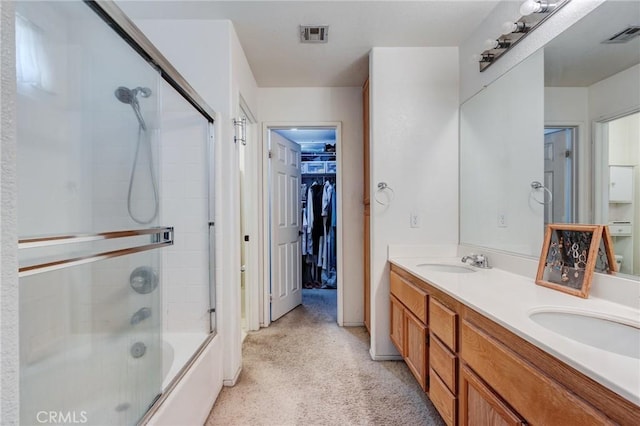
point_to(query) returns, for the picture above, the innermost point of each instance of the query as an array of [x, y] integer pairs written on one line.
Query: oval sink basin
[[592, 330], [446, 267]]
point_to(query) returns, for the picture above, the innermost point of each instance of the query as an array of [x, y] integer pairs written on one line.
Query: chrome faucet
[[478, 260]]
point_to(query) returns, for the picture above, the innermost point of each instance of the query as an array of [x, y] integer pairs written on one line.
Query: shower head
[[124, 95], [130, 96]]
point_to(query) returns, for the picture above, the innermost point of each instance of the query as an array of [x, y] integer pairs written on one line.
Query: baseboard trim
[[353, 324], [385, 357], [234, 380]]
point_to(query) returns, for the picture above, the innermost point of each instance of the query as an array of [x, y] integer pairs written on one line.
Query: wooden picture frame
[[606, 261], [569, 255]]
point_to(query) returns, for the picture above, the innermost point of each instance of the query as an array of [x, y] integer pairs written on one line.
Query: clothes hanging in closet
[[317, 222]]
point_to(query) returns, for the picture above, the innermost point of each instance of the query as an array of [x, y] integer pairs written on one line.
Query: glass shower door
[[88, 207]]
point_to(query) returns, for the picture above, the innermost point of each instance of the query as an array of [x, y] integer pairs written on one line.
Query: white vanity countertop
[[508, 299]]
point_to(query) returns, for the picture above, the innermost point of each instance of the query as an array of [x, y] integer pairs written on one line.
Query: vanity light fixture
[[534, 12]]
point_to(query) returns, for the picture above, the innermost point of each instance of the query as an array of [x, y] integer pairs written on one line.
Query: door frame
[[582, 179], [576, 168], [251, 218], [265, 231], [600, 140]]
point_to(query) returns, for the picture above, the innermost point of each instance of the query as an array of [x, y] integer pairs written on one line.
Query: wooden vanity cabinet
[[477, 372], [535, 396]]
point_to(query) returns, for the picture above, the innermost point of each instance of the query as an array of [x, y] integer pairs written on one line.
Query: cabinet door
[[416, 350], [397, 324], [479, 405], [620, 184]]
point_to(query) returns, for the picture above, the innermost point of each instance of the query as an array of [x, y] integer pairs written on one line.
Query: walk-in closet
[[318, 205]]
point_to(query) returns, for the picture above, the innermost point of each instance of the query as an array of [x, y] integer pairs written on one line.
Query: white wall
[[324, 104], [472, 80], [569, 106], [616, 95], [9, 362], [414, 149]]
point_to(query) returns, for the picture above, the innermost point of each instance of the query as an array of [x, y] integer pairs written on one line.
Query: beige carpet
[[305, 370]]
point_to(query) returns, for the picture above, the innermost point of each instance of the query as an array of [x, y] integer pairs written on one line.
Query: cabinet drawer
[[442, 322], [442, 399], [623, 229], [535, 396], [443, 362], [410, 296]]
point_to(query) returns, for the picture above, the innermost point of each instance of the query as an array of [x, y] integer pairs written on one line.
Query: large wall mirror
[[556, 139]]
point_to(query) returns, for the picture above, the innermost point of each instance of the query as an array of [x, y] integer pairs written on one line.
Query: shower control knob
[[138, 349]]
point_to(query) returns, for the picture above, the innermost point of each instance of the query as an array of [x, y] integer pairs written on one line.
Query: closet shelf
[[318, 167]]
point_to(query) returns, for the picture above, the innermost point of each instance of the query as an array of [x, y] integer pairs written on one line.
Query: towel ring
[[535, 186], [381, 187]]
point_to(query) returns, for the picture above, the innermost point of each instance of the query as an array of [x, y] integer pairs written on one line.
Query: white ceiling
[[268, 32], [578, 58]]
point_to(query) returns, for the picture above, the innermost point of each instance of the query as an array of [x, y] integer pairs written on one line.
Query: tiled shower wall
[[185, 206]]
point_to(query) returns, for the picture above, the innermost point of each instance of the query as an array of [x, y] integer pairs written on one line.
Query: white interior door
[[286, 256], [558, 175]]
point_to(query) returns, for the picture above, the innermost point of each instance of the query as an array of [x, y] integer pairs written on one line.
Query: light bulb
[[496, 44], [491, 44], [509, 27], [529, 7], [513, 27]]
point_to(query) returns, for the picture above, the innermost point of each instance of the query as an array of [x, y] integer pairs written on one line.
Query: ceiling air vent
[[624, 35], [314, 33]]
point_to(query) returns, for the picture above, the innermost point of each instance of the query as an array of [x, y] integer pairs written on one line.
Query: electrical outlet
[[414, 220], [502, 220]]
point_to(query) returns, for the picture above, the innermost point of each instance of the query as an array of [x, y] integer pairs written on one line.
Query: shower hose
[[142, 134]]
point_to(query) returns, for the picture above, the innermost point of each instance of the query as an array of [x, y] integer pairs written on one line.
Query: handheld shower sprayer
[[130, 96]]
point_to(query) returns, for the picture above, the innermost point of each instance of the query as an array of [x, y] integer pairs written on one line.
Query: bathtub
[[177, 349], [189, 399], [91, 379], [94, 379]]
